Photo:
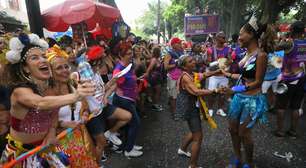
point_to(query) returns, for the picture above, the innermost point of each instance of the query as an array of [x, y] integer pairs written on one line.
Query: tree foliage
[[174, 16], [233, 13], [148, 21]]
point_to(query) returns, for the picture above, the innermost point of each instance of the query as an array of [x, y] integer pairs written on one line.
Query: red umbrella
[[58, 18]]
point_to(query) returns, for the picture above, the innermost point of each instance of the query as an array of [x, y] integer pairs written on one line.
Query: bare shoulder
[[262, 55], [22, 90], [186, 78]]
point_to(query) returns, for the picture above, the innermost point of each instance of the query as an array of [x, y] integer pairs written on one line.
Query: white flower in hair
[[253, 23], [16, 47], [43, 44], [15, 44], [34, 39], [13, 56]]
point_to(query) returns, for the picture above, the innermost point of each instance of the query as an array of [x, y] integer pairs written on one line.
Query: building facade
[[12, 13]]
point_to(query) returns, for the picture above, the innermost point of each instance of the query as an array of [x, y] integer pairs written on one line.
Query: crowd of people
[[43, 90]]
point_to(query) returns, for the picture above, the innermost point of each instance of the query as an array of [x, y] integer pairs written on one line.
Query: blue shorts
[[244, 106]]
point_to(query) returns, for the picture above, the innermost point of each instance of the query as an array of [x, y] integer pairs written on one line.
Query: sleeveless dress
[[186, 108]]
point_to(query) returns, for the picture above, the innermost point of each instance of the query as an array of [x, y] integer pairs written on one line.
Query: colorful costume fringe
[[78, 146], [47, 158], [74, 150]]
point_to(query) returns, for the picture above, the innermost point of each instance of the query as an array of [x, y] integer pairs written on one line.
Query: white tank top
[[65, 112]]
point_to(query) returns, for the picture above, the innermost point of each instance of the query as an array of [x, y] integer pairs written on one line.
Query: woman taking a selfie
[[34, 110]]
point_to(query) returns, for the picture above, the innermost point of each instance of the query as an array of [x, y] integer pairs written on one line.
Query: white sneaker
[[301, 111], [104, 157], [133, 153], [116, 149], [113, 138], [181, 152], [221, 113], [137, 147], [149, 99], [211, 112]]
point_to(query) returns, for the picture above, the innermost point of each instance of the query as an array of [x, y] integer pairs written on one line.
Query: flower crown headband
[[23, 44]]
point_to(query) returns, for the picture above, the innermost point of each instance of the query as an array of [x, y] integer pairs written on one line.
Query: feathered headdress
[[19, 46], [56, 51]]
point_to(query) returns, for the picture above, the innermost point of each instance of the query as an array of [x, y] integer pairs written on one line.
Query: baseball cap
[[175, 40]]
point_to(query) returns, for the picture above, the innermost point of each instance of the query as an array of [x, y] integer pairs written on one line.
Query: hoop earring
[[27, 77], [22, 75]]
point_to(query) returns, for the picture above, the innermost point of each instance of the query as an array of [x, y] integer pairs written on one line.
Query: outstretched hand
[[85, 89], [225, 90]]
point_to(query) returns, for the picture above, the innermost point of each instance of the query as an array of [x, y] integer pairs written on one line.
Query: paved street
[[161, 136]]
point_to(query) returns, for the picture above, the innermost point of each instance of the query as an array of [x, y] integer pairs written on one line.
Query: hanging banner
[[197, 25]]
